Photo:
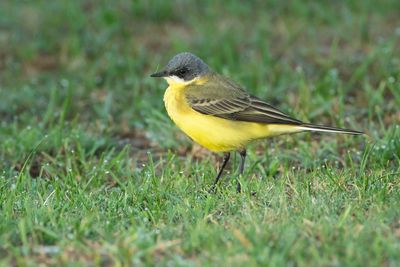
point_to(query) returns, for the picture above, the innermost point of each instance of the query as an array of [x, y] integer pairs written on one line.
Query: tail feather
[[320, 128]]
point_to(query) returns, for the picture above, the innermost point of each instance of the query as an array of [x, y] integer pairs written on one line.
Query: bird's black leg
[[227, 156], [241, 167]]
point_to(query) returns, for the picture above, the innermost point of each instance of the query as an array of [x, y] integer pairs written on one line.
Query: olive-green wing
[[223, 98]]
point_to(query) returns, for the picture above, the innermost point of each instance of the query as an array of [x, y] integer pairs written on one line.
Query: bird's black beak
[[159, 74]]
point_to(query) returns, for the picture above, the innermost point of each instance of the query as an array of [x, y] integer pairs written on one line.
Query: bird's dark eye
[[181, 72]]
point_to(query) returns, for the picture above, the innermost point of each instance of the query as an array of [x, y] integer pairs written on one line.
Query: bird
[[219, 114]]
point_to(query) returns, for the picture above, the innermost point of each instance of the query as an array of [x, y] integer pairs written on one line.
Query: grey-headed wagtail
[[219, 114]]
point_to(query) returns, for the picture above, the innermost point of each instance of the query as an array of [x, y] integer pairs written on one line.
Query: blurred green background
[[81, 117], [88, 62]]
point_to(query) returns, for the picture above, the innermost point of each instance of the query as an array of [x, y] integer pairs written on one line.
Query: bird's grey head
[[184, 66]]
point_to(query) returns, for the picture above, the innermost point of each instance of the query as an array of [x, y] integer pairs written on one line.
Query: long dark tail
[[320, 128]]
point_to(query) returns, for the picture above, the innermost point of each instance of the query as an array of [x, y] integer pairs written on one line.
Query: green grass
[[92, 171]]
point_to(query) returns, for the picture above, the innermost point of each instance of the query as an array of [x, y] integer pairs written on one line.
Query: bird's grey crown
[[186, 66]]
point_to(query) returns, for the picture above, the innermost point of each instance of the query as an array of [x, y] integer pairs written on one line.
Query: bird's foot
[[238, 187], [212, 189]]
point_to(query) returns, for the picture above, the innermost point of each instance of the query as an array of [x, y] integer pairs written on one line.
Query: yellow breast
[[214, 133]]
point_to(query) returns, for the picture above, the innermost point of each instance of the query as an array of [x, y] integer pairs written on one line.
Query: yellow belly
[[215, 133]]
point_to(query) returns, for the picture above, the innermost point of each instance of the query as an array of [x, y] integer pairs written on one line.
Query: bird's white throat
[[176, 80]]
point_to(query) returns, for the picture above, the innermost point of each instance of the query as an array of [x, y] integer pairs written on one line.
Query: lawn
[[93, 172]]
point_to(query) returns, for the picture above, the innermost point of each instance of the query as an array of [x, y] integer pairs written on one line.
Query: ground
[[94, 172]]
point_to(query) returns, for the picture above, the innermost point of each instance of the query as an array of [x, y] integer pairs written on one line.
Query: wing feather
[[222, 98]]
